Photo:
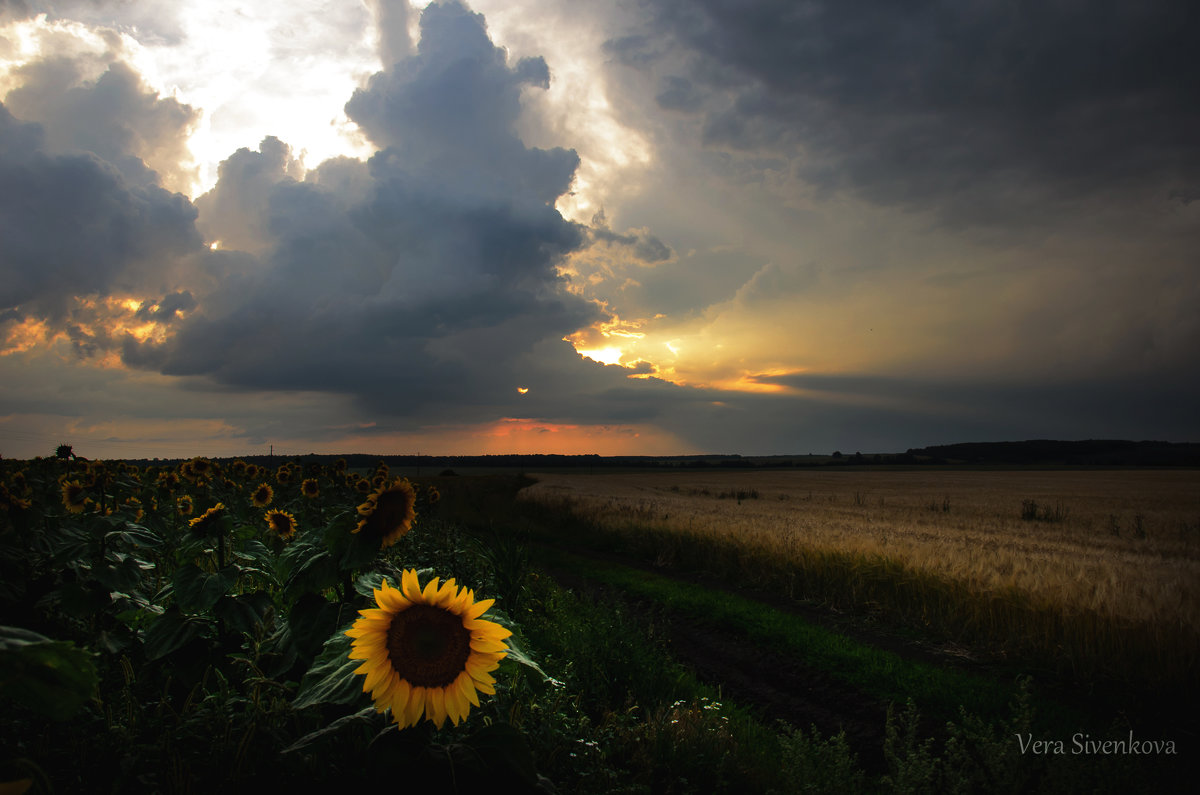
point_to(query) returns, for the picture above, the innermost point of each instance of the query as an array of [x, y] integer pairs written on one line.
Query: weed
[[1032, 512], [814, 764]]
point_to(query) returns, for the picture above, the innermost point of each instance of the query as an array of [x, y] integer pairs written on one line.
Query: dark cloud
[[72, 225], [888, 413], [641, 244], [391, 20], [423, 283], [634, 50], [679, 93], [964, 108]]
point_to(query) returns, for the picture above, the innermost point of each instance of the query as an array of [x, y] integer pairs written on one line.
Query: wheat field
[[1123, 545]]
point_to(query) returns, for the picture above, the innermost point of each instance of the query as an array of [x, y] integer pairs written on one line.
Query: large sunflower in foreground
[[427, 652], [388, 512]]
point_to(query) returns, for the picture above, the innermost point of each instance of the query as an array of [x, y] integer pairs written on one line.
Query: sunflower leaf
[[311, 575], [364, 716], [172, 631], [52, 677], [197, 590], [515, 652], [135, 535], [331, 679], [245, 612], [368, 582]]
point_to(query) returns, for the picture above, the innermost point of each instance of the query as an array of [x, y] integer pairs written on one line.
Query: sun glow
[[609, 355]]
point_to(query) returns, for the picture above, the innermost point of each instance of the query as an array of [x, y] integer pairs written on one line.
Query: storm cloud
[[787, 227], [423, 281], [972, 109]]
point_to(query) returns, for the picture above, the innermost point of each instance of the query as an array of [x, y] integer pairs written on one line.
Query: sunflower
[[388, 512], [201, 524], [262, 496], [74, 496], [310, 488], [184, 505], [426, 653], [281, 523]]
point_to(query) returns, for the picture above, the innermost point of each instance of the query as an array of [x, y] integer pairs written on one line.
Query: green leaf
[[311, 575], [245, 612], [367, 583], [254, 551], [363, 716], [54, 678], [515, 652], [173, 630], [331, 679], [135, 535], [121, 572], [197, 590], [312, 620], [359, 552]]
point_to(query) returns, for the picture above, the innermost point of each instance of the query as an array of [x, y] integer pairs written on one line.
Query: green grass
[[881, 674]]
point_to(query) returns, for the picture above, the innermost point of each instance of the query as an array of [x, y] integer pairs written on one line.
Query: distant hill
[[1090, 452]]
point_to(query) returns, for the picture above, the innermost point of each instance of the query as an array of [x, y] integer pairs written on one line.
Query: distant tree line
[[1048, 452]]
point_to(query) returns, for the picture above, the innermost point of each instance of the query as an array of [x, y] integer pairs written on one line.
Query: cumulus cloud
[[424, 282], [113, 116], [73, 225]]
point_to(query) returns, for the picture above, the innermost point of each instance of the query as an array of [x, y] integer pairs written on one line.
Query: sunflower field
[[247, 626], [216, 626]]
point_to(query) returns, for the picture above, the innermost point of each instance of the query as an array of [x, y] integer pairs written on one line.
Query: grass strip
[[877, 672]]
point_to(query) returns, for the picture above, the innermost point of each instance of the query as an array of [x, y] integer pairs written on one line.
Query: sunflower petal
[[415, 708], [479, 608], [487, 645], [435, 705], [467, 684], [400, 697], [410, 585]]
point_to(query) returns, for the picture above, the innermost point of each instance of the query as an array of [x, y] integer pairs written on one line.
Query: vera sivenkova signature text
[[1083, 744]]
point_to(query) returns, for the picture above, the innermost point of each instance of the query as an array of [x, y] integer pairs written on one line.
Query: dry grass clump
[[1109, 558]]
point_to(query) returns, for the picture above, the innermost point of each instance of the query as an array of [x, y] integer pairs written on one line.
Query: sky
[[640, 227]]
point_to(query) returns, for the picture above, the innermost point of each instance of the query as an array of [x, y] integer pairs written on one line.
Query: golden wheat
[[1121, 545]]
